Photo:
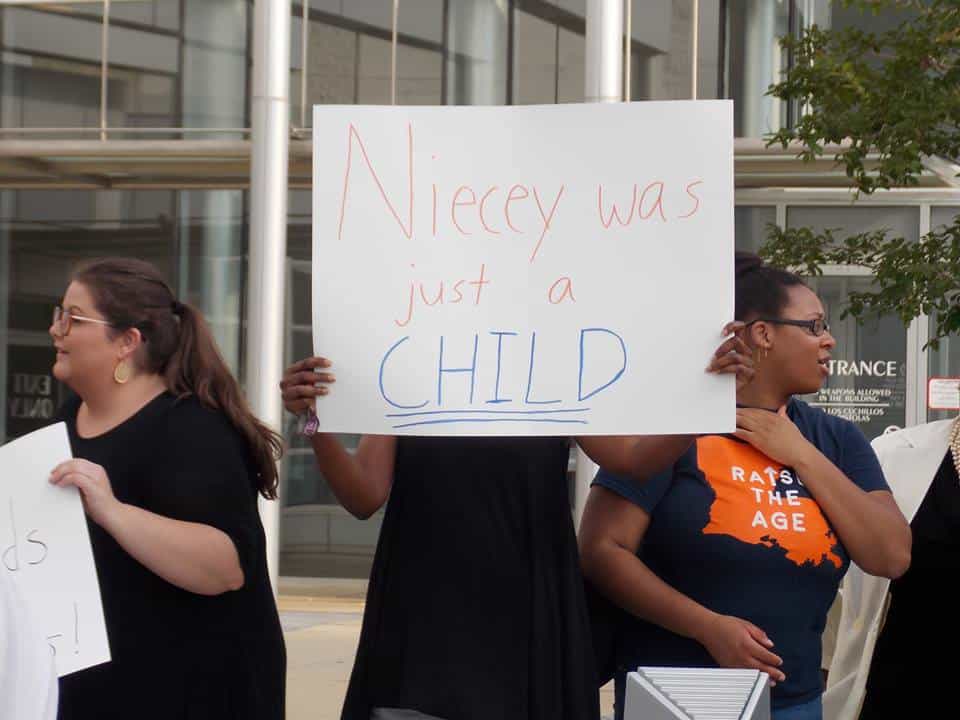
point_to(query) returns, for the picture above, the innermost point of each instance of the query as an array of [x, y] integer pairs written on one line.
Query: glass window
[[51, 67], [899, 221], [571, 76], [161, 14], [421, 19], [754, 60], [215, 63], [477, 32], [419, 76], [867, 382], [868, 373], [195, 240], [945, 360], [373, 70], [751, 226], [534, 60]]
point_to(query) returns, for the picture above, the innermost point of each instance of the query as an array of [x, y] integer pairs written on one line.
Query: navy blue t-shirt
[[741, 535]]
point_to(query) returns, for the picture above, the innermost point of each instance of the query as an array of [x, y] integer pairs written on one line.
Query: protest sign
[[523, 270], [45, 548]]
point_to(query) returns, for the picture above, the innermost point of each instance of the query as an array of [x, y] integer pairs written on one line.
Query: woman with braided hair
[[169, 462], [882, 666]]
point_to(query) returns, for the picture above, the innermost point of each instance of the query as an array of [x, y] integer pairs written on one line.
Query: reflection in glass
[[751, 226], [571, 54], [51, 67], [477, 36], [755, 61], [215, 63], [534, 60], [899, 221]]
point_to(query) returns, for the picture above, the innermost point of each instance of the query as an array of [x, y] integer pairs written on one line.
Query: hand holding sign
[[94, 486], [522, 271]]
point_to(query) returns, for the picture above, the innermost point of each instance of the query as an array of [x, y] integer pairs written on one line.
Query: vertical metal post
[[603, 82], [104, 67], [627, 50], [304, 58], [266, 275], [393, 53], [694, 47], [604, 55]]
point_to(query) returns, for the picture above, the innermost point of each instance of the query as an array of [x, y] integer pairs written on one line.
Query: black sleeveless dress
[[475, 608]]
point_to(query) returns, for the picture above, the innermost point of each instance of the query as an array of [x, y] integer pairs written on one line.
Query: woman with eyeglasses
[[169, 462], [732, 556]]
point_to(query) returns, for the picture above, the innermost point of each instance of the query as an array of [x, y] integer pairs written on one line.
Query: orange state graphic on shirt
[[758, 502]]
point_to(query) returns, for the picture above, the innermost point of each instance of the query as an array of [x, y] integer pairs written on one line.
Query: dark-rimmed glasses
[[816, 327], [63, 320]]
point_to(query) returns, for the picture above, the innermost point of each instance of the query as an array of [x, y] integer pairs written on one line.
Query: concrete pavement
[[321, 622]]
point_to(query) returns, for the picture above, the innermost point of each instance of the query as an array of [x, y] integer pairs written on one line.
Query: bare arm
[[869, 524], [195, 557], [610, 534], [639, 456], [361, 480], [645, 455]]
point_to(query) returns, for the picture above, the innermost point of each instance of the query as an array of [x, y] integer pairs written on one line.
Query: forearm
[[628, 582], [873, 531], [195, 557], [639, 456], [361, 480]]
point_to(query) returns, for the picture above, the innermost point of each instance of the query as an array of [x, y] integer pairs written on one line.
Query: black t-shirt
[[912, 662], [740, 534], [176, 654]]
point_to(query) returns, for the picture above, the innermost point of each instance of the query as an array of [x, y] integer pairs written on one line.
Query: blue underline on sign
[[446, 421], [486, 412]]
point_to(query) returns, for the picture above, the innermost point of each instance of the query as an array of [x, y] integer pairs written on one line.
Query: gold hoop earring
[[122, 373]]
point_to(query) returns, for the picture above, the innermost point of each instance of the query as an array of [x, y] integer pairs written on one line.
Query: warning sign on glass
[[943, 393]]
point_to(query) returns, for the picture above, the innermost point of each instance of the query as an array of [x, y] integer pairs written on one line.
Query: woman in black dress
[[169, 462], [475, 608]]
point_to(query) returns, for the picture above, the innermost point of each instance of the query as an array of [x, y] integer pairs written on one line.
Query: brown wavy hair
[[131, 293]]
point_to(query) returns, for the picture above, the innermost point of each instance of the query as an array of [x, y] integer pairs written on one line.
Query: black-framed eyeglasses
[[815, 327], [63, 320]]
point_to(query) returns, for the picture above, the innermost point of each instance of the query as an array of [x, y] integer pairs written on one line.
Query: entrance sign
[[548, 270], [45, 548]]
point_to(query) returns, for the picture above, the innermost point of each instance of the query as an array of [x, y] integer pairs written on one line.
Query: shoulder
[[192, 423]]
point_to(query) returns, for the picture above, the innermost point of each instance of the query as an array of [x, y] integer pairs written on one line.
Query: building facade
[[125, 130]]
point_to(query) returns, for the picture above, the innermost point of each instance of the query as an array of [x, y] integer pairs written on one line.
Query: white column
[[603, 83], [6, 207], [268, 230], [604, 51]]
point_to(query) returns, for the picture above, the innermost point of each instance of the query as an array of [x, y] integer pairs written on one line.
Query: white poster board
[[539, 270], [45, 548]]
